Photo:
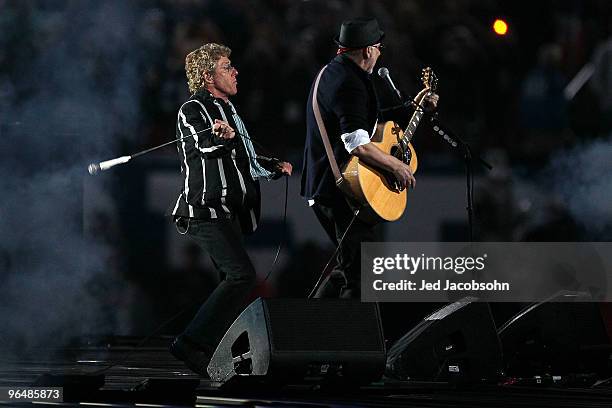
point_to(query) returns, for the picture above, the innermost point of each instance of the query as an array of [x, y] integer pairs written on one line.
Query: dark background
[[85, 81]]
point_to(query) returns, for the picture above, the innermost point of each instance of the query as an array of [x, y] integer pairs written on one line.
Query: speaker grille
[[324, 325]]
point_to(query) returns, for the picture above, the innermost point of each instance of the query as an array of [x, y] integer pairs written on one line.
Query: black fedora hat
[[359, 33]]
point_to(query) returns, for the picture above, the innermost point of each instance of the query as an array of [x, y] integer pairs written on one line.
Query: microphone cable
[[284, 222], [284, 234], [141, 343]]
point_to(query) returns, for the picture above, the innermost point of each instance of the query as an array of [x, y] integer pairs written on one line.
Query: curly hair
[[201, 61]]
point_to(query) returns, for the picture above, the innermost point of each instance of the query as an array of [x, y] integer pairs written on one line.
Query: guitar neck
[[412, 125]]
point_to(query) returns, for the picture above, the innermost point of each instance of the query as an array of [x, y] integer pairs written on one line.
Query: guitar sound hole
[[399, 153]]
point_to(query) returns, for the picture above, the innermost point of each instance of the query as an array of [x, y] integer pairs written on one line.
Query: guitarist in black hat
[[349, 110]]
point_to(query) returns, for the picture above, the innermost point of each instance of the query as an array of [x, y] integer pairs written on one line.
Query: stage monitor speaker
[[456, 343], [302, 339], [557, 337]]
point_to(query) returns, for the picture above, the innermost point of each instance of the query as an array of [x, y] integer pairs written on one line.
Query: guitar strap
[[340, 181]]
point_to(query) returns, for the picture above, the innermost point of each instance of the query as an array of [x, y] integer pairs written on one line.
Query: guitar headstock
[[429, 79]]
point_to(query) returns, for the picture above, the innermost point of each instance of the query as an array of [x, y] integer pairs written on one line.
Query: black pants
[[345, 278], [222, 240]]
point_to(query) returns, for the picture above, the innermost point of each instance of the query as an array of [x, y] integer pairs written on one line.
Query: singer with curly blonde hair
[[220, 196], [203, 60]]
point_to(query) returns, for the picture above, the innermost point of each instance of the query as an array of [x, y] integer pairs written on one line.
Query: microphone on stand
[[442, 131], [94, 168], [383, 72]]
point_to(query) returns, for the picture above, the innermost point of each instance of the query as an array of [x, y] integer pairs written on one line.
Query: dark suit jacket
[[347, 102]]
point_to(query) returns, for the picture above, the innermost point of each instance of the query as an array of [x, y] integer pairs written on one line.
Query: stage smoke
[[69, 94], [581, 179]]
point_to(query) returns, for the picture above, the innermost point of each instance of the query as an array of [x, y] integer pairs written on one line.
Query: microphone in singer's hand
[[383, 72], [94, 168]]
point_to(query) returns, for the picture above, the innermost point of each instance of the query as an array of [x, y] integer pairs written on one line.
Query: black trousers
[[345, 278], [222, 240]]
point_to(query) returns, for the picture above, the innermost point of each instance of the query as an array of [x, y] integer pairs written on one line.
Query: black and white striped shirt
[[219, 179]]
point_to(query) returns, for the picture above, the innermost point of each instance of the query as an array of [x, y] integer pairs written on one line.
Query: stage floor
[[150, 376]]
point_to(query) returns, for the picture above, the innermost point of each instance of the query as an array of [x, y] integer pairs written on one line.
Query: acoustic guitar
[[377, 190]]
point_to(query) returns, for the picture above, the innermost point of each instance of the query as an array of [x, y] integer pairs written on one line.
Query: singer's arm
[[398, 114], [275, 166], [401, 114], [349, 106], [352, 112], [192, 120], [373, 156]]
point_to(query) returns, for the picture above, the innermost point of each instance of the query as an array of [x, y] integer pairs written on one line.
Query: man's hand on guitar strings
[[404, 176]]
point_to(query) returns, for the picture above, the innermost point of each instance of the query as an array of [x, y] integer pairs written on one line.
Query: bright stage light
[[500, 27]]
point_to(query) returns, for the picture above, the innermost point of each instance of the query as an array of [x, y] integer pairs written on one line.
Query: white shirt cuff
[[355, 139]]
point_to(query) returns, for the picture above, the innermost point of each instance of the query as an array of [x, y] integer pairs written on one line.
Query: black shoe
[[194, 356]]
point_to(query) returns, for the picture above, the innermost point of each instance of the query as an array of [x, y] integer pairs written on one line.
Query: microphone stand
[[456, 142]]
